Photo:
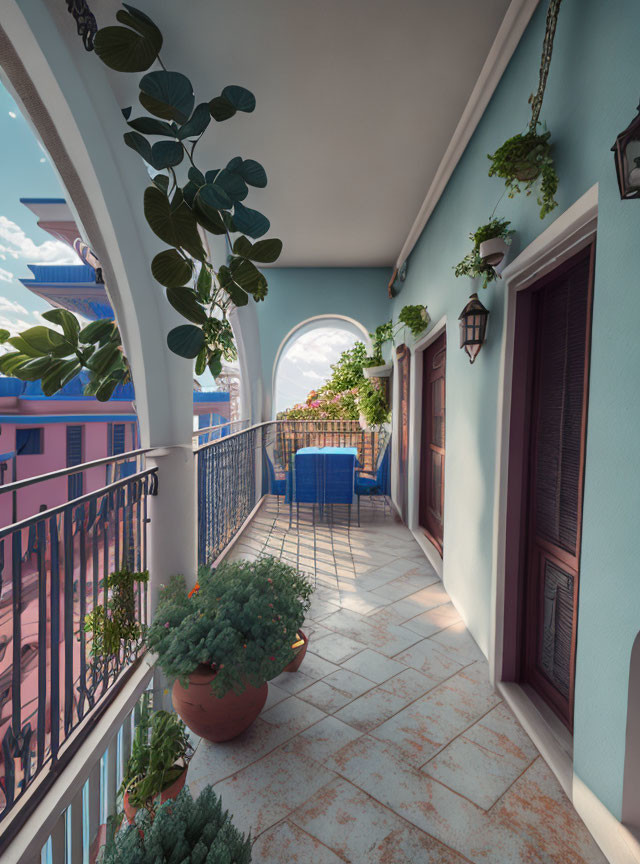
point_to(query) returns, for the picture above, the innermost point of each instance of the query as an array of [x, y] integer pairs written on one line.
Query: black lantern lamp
[[473, 327], [627, 150]]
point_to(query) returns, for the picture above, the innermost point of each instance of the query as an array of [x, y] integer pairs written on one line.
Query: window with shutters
[[74, 457]]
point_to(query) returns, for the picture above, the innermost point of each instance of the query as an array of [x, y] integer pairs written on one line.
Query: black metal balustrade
[[52, 570]]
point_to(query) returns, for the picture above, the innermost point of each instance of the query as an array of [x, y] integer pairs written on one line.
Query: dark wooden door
[[561, 324], [403, 369], [432, 449]]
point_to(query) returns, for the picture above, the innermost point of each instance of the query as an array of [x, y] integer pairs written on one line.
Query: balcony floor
[[389, 745]]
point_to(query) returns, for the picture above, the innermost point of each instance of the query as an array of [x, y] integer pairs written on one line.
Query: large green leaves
[[213, 197], [198, 122], [233, 184], [40, 340], [97, 331], [186, 341], [249, 221], [138, 143], [171, 269], [264, 251], [66, 320], [253, 173], [166, 154], [133, 48], [168, 95], [152, 126], [177, 227], [185, 301], [232, 99]]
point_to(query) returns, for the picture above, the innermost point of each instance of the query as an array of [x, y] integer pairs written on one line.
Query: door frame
[[571, 232], [415, 432]]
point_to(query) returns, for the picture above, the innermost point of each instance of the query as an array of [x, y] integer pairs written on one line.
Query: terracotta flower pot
[[166, 795], [300, 652], [212, 717]]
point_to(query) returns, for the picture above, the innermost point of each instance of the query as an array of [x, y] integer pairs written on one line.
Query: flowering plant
[[241, 622]]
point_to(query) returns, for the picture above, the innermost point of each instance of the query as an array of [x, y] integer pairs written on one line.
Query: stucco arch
[[342, 322]]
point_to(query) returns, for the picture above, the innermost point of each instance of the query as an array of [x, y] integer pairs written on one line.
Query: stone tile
[[268, 790], [458, 643], [427, 658], [325, 738], [316, 667], [337, 648], [336, 690], [421, 601], [433, 620], [349, 822], [395, 590], [427, 725], [293, 682], [370, 709], [538, 811], [320, 609], [276, 694], [292, 714], [374, 666], [285, 843], [408, 685]]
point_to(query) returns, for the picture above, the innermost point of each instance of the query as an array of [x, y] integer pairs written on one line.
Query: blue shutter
[[74, 457]]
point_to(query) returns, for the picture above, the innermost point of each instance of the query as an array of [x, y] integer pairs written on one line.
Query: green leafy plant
[[383, 334], [372, 403], [55, 357], [492, 228], [177, 207], [116, 634], [472, 264], [521, 161], [160, 752], [183, 830], [526, 158], [240, 622], [416, 318]]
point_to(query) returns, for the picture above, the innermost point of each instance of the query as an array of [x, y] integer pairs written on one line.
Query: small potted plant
[[492, 240], [222, 642], [181, 830], [372, 405], [157, 767], [523, 160], [375, 366], [416, 318]]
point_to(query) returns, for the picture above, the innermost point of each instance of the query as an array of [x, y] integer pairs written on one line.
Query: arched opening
[[631, 783], [306, 354]]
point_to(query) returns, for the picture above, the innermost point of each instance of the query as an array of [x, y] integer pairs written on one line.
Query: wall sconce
[[473, 327], [627, 156]]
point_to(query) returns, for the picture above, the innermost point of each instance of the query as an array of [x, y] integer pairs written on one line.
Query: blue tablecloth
[[330, 451], [324, 475]]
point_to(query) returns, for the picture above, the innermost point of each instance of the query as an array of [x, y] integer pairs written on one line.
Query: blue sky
[[25, 172]]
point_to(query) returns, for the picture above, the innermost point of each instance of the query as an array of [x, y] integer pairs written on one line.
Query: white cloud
[[20, 247], [5, 275], [13, 115], [7, 306]]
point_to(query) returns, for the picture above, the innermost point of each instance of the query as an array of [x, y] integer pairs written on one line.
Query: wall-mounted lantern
[[627, 155], [473, 327]]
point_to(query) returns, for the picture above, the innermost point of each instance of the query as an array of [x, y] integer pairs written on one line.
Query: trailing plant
[[491, 229], [526, 158], [183, 830], [416, 318], [116, 634], [472, 264], [160, 753], [383, 334], [372, 403], [240, 622], [176, 208]]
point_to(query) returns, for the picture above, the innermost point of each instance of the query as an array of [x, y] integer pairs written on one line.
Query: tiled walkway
[[389, 745]]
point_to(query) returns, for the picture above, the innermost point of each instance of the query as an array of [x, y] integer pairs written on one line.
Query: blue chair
[[307, 482], [339, 480], [367, 484], [277, 482]]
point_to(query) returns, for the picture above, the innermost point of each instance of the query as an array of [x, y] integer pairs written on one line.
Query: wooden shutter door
[[403, 367], [432, 450]]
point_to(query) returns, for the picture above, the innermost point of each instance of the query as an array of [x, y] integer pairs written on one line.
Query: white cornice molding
[[514, 24]]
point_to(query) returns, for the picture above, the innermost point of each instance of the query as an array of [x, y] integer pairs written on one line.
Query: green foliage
[[493, 228], [116, 634], [383, 333], [56, 358], [523, 160], [160, 752], [372, 403], [241, 622], [416, 318], [473, 266], [175, 208], [181, 831]]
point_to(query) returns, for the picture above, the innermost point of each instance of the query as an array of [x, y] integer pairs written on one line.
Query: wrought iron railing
[[212, 433], [52, 570]]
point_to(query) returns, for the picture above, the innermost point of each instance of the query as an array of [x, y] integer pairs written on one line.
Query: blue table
[[324, 475]]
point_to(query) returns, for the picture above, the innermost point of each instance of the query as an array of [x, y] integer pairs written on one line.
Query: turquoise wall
[[296, 294], [593, 89]]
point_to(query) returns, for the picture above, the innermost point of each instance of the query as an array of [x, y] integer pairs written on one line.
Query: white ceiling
[[357, 101]]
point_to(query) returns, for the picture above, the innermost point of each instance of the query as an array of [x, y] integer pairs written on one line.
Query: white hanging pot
[[493, 251], [378, 371]]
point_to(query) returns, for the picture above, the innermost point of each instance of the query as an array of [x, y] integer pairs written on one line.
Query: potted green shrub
[[223, 642], [523, 160], [181, 830], [416, 318], [373, 405], [157, 767], [492, 239], [376, 366]]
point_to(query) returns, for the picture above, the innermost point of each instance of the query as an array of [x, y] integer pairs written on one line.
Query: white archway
[[339, 322]]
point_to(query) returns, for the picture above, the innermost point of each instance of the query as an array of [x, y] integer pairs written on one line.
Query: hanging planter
[[493, 251], [383, 371]]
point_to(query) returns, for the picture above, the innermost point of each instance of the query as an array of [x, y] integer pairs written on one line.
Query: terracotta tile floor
[[389, 745]]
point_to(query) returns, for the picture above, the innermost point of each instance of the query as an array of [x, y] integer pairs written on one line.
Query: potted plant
[[523, 160], [372, 405], [492, 239], [157, 767], [416, 318], [224, 641], [375, 366], [181, 830]]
